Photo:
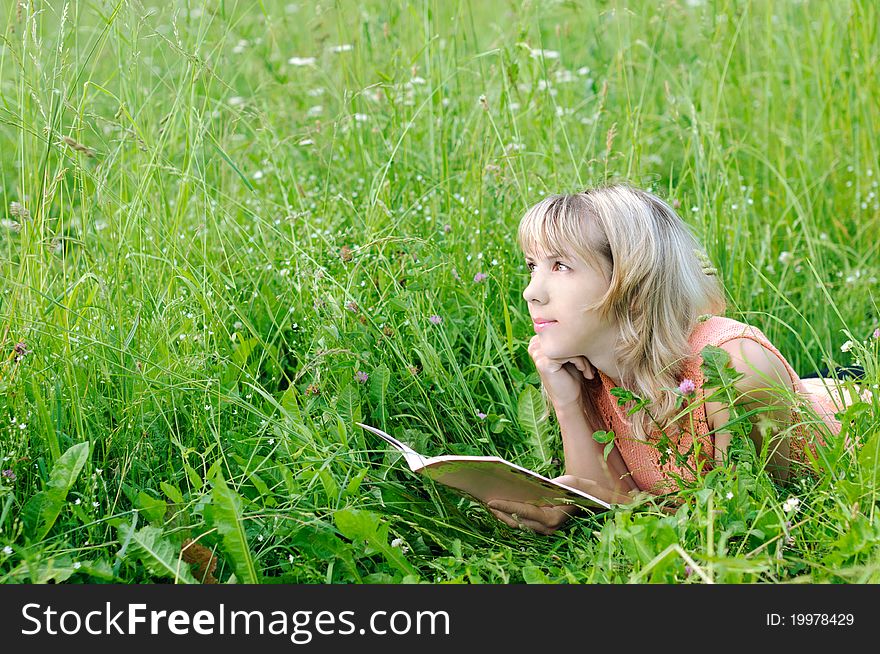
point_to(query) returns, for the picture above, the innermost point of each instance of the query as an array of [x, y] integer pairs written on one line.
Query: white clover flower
[[790, 504]]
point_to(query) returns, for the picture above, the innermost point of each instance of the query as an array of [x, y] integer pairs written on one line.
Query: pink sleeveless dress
[[644, 459]]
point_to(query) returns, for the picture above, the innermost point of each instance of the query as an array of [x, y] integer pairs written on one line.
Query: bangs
[[558, 226]]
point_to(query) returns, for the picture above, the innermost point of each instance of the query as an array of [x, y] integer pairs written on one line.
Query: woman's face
[[559, 287]]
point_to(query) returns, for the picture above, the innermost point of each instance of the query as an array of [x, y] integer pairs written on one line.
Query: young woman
[[622, 295]]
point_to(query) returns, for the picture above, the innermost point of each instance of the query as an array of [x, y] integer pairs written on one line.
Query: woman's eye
[[529, 265]]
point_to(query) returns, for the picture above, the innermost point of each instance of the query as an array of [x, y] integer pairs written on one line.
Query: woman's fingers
[[518, 522], [583, 364]]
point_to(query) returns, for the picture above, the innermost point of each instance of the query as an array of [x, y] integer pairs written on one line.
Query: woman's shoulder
[[717, 330]]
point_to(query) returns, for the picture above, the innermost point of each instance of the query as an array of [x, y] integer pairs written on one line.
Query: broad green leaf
[[172, 492], [226, 516], [194, 477], [534, 575], [158, 555], [43, 508], [530, 407], [154, 509], [55, 568], [368, 526], [379, 379], [290, 404], [348, 405]]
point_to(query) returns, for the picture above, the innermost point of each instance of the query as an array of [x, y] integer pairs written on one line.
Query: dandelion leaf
[[158, 555], [225, 514], [43, 509], [530, 407]]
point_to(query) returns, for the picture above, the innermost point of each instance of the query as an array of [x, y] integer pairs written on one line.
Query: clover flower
[[436, 319], [687, 387]]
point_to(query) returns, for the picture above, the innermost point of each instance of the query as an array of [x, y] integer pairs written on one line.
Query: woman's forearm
[[584, 455]]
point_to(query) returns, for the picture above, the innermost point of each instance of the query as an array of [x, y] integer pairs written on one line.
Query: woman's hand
[[547, 519], [562, 378]]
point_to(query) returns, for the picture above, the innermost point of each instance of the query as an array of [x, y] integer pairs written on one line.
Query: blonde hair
[[661, 283]]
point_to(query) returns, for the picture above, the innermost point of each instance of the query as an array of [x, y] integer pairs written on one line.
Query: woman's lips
[[541, 326]]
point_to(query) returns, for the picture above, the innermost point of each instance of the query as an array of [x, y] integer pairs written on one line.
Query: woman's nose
[[534, 292]]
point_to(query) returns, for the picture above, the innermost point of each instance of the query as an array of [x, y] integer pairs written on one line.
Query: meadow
[[230, 230]]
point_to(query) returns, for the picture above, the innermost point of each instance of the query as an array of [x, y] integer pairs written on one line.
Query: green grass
[[198, 282]]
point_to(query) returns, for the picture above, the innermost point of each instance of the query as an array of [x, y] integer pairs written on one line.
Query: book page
[[491, 478]]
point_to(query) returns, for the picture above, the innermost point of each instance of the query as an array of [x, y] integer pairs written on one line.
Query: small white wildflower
[[22, 426], [271, 441], [76, 565], [78, 501], [96, 504], [236, 100], [306, 142], [790, 504], [258, 174], [846, 347], [301, 61], [260, 538], [397, 542], [361, 118], [7, 550], [547, 54], [345, 47], [785, 257], [290, 558], [729, 495]]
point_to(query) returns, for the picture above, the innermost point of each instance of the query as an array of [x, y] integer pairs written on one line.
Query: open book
[[487, 478]]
